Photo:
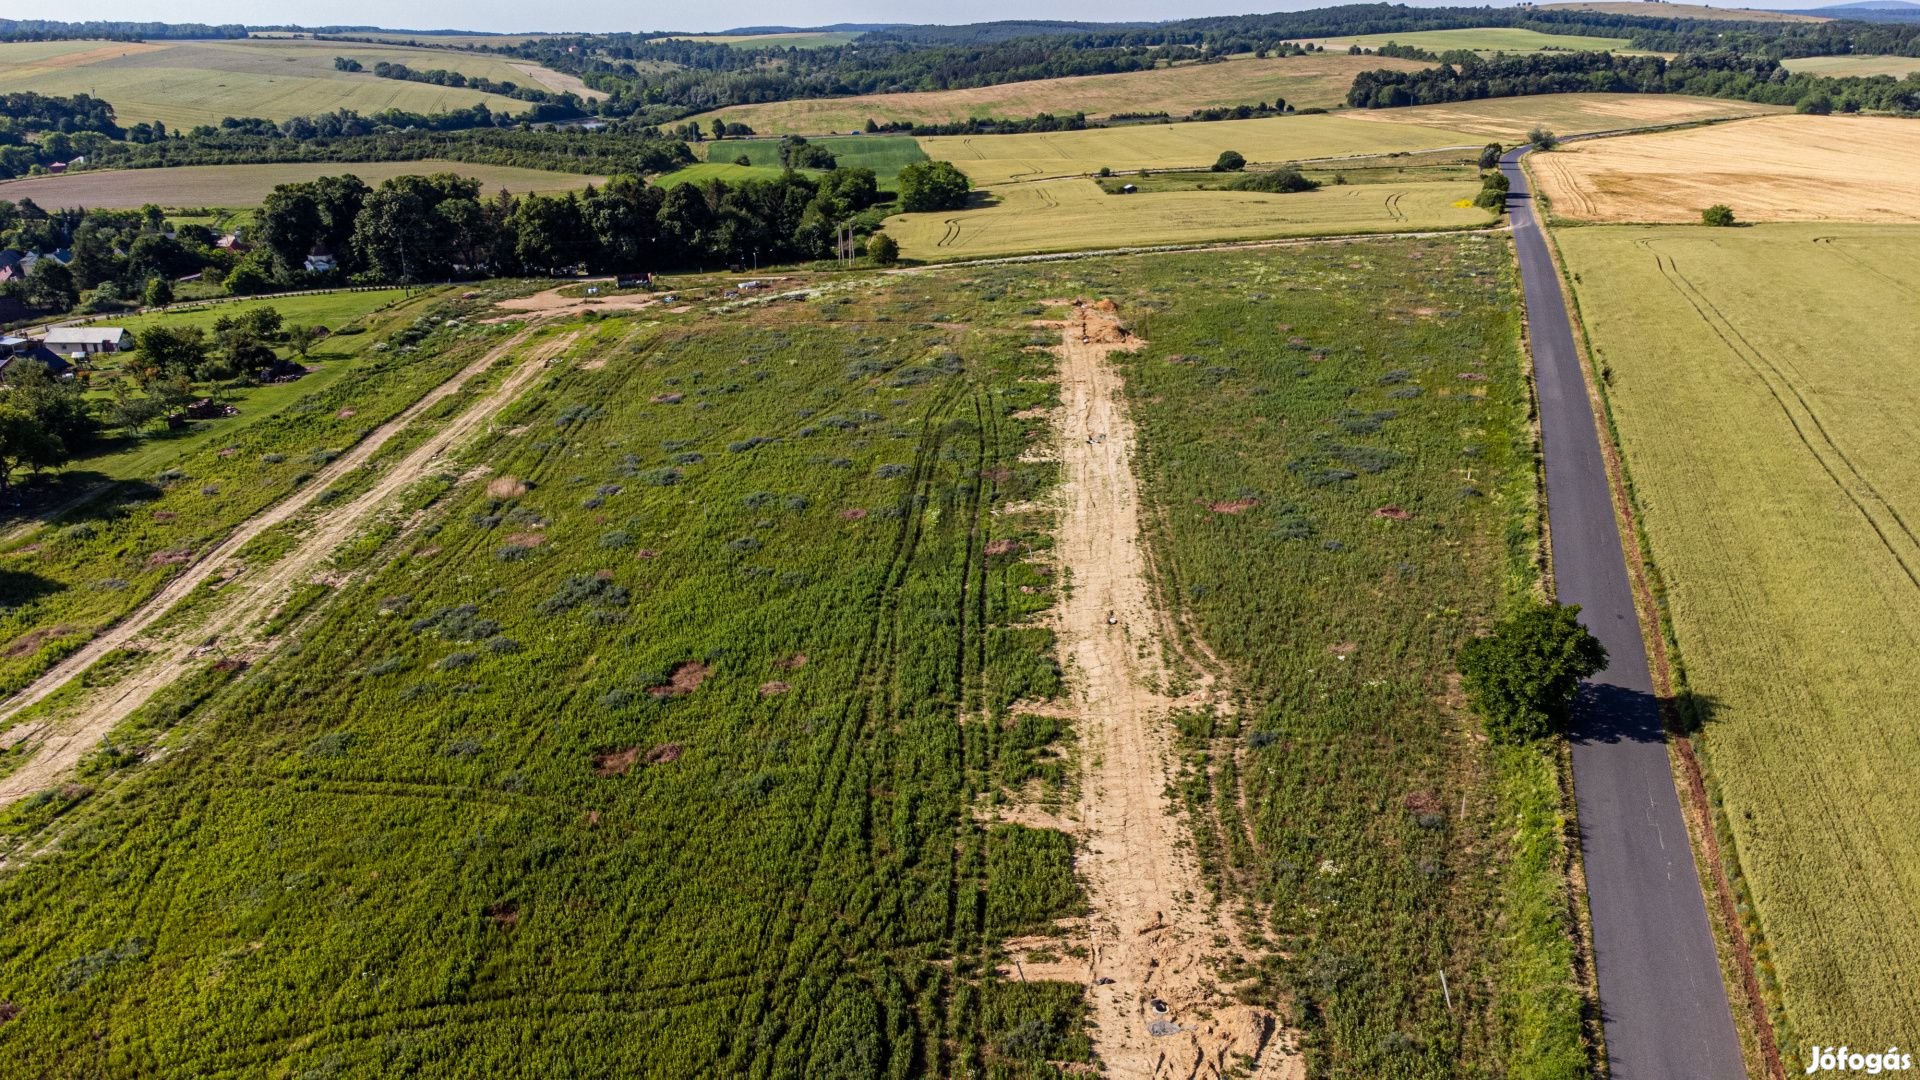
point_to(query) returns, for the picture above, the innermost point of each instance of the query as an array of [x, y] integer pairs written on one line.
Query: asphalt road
[[1661, 997]]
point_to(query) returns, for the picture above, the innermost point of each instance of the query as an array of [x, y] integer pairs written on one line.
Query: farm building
[[321, 261], [87, 340]]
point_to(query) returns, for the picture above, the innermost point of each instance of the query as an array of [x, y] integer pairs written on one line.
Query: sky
[[518, 16]]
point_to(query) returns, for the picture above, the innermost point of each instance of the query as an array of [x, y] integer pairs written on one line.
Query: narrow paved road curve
[[1661, 997]]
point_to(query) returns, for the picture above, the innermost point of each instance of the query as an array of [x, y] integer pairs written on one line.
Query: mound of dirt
[[615, 762], [792, 663], [526, 540], [664, 754], [771, 689], [685, 678], [170, 557], [1393, 513]]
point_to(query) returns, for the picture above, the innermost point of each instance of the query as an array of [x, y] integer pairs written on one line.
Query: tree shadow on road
[[1609, 714]]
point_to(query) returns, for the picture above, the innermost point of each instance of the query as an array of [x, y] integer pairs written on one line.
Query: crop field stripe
[[1860, 491]]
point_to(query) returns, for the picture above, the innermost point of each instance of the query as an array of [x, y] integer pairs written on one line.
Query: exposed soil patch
[[503, 913], [8, 1010], [164, 516], [170, 557], [426, 552], [1393, 513], [999, 475], [31, 642], [667, 399], [646, 553], [852, 514], [616, 762], [664, 754], [345, 414], [1471, 376], [525, 540], [1233, 506], [506, 486], [773, 689], [685, 678], [792, 663], [593, 365], [1002, 547]]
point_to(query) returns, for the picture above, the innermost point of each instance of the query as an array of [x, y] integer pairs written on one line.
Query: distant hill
[[1871, 11]]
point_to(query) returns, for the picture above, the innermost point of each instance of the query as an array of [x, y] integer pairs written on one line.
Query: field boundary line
[[68, 746], [1661, 653]]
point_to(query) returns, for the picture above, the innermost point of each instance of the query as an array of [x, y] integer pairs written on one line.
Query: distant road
[[1662, 1000]]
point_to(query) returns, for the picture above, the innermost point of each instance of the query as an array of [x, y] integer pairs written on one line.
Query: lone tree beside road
[[1543, 138], [1490, 156], [1522, 677]]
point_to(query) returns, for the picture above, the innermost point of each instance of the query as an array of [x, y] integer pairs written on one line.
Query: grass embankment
[[661, 749], [1302, 81], [183, 83], [1762, 382], [1364, 406], [174, 494], [199, 186]]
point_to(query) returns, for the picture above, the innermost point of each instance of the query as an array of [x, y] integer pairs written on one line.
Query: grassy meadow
[[1684, 11], [886, 155], [184, 83], [247, 185], [1303, 81], [658, 759], [1064, 215], [1486, 40], [1763, 381], [172, 494]]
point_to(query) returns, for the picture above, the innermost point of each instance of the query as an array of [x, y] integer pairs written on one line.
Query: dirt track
[[1150, 928], [248, 599]]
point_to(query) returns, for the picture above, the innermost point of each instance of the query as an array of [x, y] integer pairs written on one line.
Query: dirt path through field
[[247, 600], [1158, 1008]]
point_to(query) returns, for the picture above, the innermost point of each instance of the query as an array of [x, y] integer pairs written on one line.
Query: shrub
[[1522, 677], [1719, 215], [1280, 181], [883, 249], [1543, 138], [932, 185], [1490, 156], [1229, 161]]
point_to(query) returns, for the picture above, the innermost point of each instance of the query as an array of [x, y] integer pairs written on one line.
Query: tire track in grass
[[1894, 533], [247, 600]]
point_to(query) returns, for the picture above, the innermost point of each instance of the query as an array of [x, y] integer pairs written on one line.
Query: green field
[[1489, 39], [236, 186], [1320, 385], [65, 583], [1840, 67], [725, 172], [667, 756], [184, 83], [1763, 382], [1065, 215], [886, 155]]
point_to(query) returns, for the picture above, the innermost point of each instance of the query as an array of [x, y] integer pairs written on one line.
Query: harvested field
[[997, 159], [1764, 381], [184, 83], [247, 185], [1063, 215], [1490, 39], [1304, 81], [1841, 67], [1668, 10], [1509, 119], [1781, 168]]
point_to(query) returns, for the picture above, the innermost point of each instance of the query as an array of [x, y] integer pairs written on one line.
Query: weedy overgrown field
[[650, 735]]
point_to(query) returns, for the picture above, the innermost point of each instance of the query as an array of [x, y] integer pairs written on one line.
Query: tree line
[[1717, 74]]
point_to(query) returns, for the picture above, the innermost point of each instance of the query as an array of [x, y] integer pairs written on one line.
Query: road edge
[[1754, 1024]]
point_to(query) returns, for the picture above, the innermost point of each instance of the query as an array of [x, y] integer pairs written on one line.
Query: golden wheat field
[[1764, 382], [1063, 215], [1303, 81], [1510, 119], [1666, 10], [1780, 168], [998, 159]]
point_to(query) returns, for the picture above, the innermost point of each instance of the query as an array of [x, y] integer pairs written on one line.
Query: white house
[[86, 340]]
